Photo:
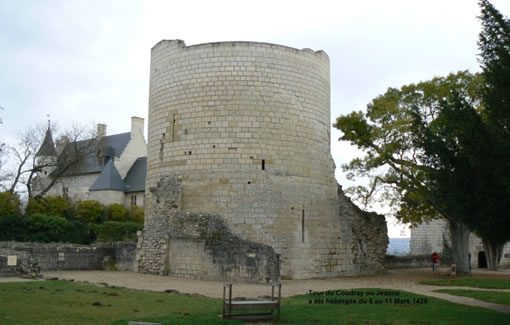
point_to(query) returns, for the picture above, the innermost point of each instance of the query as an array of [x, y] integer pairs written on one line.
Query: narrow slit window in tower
[[303, 225], [173, 128], [263, 164]]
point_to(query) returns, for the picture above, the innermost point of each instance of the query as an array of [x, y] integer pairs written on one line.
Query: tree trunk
[[460, 246], [493, 253]]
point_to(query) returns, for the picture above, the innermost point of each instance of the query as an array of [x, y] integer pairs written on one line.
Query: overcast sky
[[82, 61]]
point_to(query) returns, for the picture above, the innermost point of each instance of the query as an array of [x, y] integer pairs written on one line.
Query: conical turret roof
[[48, 146]]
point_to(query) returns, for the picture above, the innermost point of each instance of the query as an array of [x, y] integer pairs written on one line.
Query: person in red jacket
[[434, 258]]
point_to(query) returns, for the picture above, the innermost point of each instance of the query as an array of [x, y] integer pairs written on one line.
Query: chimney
[[61, 143], [101, 130], [137, 126]]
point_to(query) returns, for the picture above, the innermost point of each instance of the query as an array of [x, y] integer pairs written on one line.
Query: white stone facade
[[247, 127], [76, 187], [429, 237], [136, 147]]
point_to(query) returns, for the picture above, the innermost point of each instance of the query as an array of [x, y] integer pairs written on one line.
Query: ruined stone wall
[[59, 256], [246, 127], [199, 246], [369, 235]]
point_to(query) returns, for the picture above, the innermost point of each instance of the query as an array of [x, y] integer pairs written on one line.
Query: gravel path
[[403, 279]]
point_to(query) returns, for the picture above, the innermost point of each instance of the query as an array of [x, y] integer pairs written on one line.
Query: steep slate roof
[[135, 178], [111, 145], [48, 146], [109, 179]]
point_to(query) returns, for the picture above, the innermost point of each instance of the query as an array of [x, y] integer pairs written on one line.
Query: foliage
[[118, 231], [467, 179], [50, 205], [117, 212], [471, 282], [494, 46], [79, 233], [502, 298], [89, 211], [9, 204], [386, 133], [13, 228], [469, 148], [136, 214], [46, 229], [42, 304]]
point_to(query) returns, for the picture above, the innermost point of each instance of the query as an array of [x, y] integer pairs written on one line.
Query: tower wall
[[246, 127]]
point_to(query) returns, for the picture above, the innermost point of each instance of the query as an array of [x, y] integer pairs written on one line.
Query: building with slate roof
[[113, 170]]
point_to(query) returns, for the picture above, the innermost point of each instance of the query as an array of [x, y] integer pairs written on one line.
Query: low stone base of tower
[[203, 246], [199, 246]]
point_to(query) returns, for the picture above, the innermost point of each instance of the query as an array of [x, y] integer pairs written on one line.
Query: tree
[[494, 45], [393, 163], [5, 175], [35, 156], [9, 204], [470, 148], [466, 179]]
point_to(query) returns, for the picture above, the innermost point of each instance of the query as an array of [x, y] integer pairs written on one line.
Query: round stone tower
[[246, 128]]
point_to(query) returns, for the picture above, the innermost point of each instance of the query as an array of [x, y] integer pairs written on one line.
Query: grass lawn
[[64, 302], [502, 298], [472, 282]]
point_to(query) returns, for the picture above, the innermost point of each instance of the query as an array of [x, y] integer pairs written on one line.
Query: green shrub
[[45, 229], [34, 206], [136, 214], [89, 211], [9, 204], [50, 205], [13, 227], [117, 212], [117, 231], [80, 233]]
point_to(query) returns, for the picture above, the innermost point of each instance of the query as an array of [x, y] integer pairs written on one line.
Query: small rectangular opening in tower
[[263, 164], [173, 128], [303, 225]]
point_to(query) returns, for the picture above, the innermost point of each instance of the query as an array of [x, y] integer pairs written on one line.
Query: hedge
[[117, 231], [44, 229]]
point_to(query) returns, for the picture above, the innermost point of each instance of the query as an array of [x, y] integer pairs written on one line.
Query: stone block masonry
[[199, 246], [59, 256], [245, 127]]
